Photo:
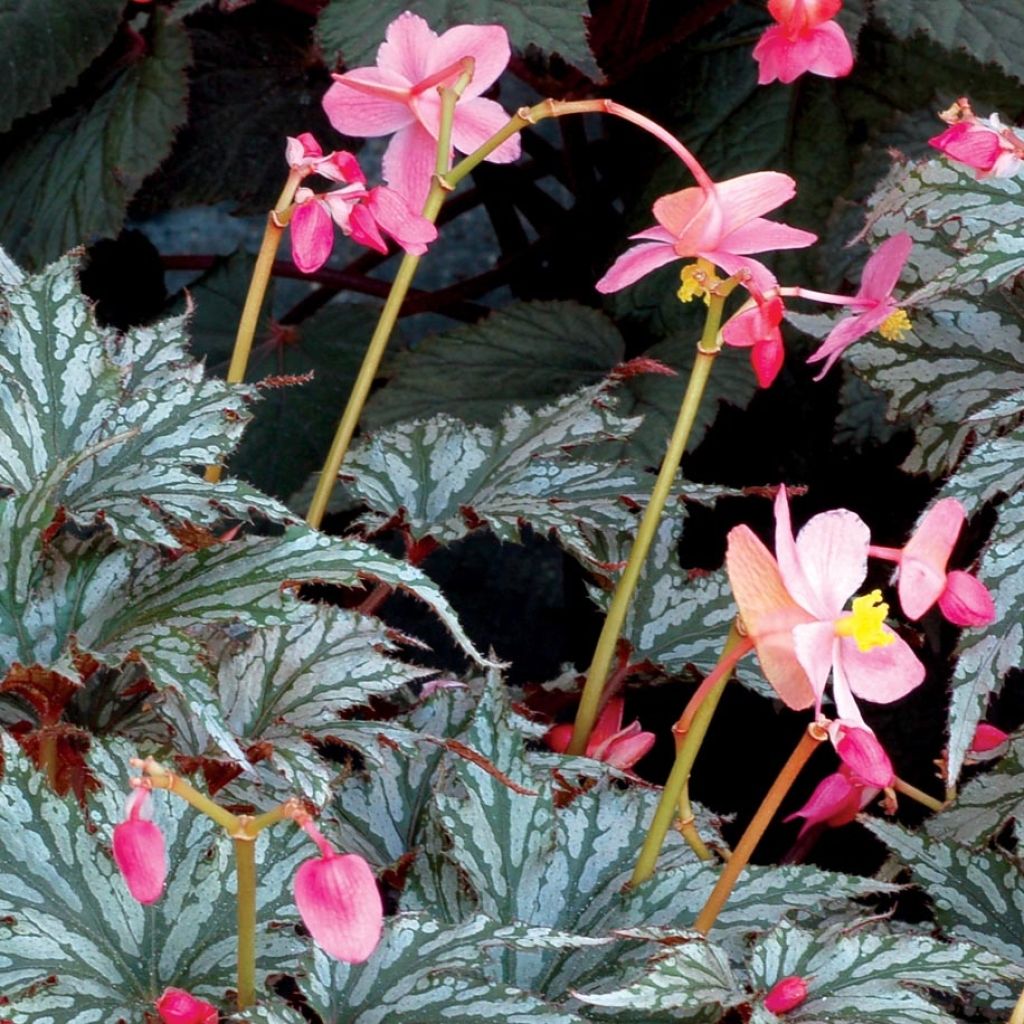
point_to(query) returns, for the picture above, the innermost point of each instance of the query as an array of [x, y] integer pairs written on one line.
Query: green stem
[[439, 189], [918, 794], [756, 829], [688, 825], [257, 290], [590, 701], [290, 809], [159, 778], [245, 865], [734, 649]]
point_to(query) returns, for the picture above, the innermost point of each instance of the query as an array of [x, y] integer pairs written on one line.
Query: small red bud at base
[[176, 1006], [786, 995]]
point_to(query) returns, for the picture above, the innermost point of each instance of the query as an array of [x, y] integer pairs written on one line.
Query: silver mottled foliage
[[448, 477], [867, 976], [977, 896], [986, 655], [426, 972], [66, 913], [966, 232], [128, 416], [986, 803]]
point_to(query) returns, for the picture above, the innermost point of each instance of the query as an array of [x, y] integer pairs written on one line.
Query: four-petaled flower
[[804, 39], [139, 850], [793, 607], [873, 304], [609, 741], [720, 222], [400, 95]]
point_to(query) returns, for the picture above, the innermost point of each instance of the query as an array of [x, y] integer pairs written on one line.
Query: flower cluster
[[362, 213]]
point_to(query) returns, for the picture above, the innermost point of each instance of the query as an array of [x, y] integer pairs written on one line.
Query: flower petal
[[488, 46], [966, 600], [312, 233], [410, 230], [883, 674], [357, 112], [340, 904], [769, 615], [635, 263], [409, 163], [608, 723], [475, 122], [828, 53], [750, 195], [922, 574], [845, 333], [883, 269], [833, 552], [813, 643], [408, 47], [761, 235]]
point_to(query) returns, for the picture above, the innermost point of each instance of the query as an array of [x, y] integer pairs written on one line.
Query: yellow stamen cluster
[[895, 325], [864, 623], [697, 281]]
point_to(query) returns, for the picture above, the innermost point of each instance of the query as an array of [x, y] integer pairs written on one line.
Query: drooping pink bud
[[176, 1006], [339, 901], [987, 737], [835, 801], [966, 600], [786, 994], [140, 851], [859, 749], [302, 152]]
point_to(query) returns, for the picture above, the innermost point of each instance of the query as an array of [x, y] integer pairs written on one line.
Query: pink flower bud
[[987, 737], [966, 601], [835, 801], [340, 904], [176, 1006], [609, 741], [786, 995], [860, 751], [302, 152], [140, 852]]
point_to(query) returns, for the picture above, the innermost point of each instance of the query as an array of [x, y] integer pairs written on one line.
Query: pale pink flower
[[609, 741], [988, 738], [176, 1006], [139, 850], [804, 39], [339, 901], [786, 994], [923, 578], [717, 221], [793, 608], [873, 303], [400, 95], [758, 328], [986, 145]]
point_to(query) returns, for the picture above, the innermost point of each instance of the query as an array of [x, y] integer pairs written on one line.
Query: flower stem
[[1017, 1017], [756, 829], [918, 794], [157, 777], [735, 647], [439, 189], [245, 866], [257, 290], [593, 689], [688, 826]]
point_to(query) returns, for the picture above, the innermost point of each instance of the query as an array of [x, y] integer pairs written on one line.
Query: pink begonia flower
[[758, 328], [792, 605], [786, 994], [400, 95], [835, 802], [986, 145], [339, 901], [873, 304], [609, 741], [176, 1006], [805, 39], [361, 213], [987, 738], [719, 222], [859, 750], [923, 578], [139, 850]]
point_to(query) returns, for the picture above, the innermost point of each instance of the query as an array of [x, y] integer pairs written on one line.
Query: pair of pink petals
[[804, 39], [609, 741], [400, 96], [791, 604]]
